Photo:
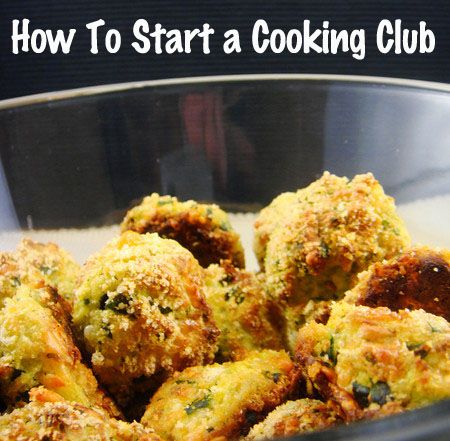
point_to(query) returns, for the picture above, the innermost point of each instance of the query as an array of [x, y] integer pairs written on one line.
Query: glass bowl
[[73, 162]]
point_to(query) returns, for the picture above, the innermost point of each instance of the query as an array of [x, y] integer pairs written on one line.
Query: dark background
[[29, 73]]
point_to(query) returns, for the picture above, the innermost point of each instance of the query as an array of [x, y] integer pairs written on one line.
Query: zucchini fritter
[[142, 314], [295, 417], [50, 418], [56, 266], [221, 400], [247, 319], [334, 229], [36, 348], [417, 279], [366, 358], [203, 229]]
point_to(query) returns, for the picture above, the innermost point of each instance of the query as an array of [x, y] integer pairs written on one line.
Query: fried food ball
[[48, 417], [36, 348], [248, 320], [56, 266], [335, 229], [221, 401], [295, 417], [367, 358], [204, 229], [142, 314], [416, 279]]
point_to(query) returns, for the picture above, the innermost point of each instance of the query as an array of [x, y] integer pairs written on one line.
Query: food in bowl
[[340, 324]]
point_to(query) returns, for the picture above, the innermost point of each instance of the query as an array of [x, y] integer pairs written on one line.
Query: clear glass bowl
[[73, 162]]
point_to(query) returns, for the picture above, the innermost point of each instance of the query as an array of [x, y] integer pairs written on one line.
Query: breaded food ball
[[295, 417], [247, 319], [221, 401], [48, 417], [36, 348], [204, 229], [416, 279], [366, 358], [142, 314], [56, 266], [334, 230]]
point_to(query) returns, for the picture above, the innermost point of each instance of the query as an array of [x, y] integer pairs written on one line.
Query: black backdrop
[[25, 74]]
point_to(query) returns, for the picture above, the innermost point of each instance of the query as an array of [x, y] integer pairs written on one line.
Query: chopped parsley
[[119, 303], [46, 270], [198, 404], [274, 376], [165, 309], [332, 354], [235, 293], [16, 282], [361, 394], [380, 392], [324, 250], [181, 381], [225, 226]]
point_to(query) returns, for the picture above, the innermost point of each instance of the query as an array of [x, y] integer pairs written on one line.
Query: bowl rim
[[46, 97]]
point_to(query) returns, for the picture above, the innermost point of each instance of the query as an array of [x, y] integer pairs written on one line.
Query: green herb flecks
[[331, 353], [181, 381], [379, 393], [198, 404], [118, 304], [324, 250], [274, 376], [165, 309], [236, 294], [361, 394], [46, 270], [15, 281]]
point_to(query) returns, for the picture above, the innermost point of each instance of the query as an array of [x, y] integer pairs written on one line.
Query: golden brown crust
[[246, 317], [209, 402], [418, 279], [56, 266], [48, 417], [296, 417], [202, 229], [336, 229], [141, 311], [332, 230], [37, 348], [366, 358]]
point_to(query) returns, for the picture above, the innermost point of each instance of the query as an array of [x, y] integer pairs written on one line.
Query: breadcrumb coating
[[142, 314], [221, 401], [268, 220], [55, 265], [416, 279], [334, 229], [365, 358], [36, 348], [13, 275], [295, 417], [248, 320], [204, 229], [50, 418]]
